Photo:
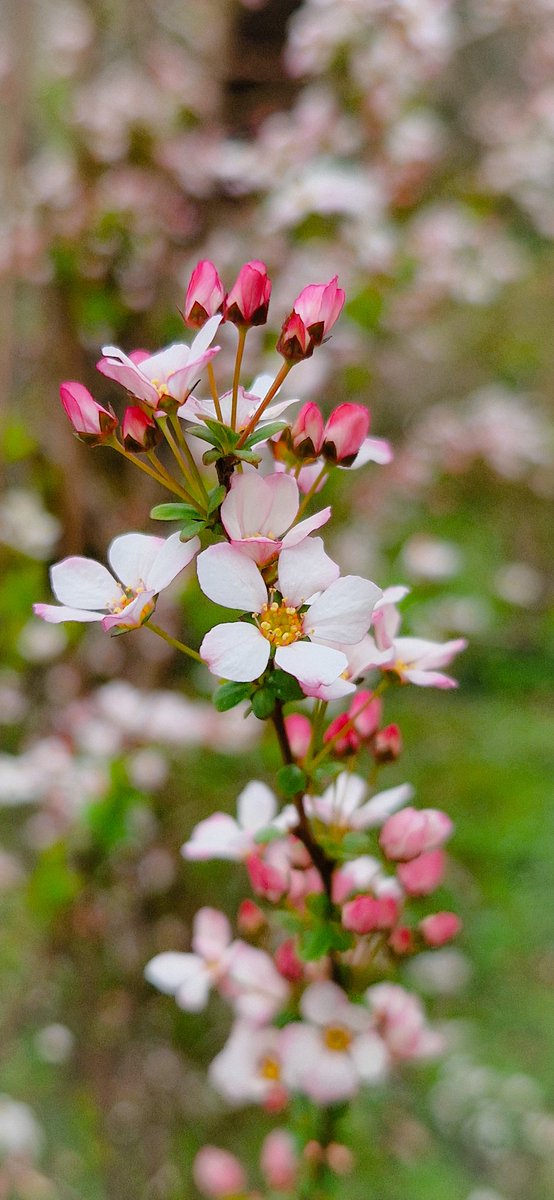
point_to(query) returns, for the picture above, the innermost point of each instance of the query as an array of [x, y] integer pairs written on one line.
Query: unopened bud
[[387, 744]]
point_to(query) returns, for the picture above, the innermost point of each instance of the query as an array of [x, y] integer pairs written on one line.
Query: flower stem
[[215, 393], [279, 378], [170, 482], [303, 830], [324, 471], [171, 641], [242, 331], [349, 724], [164, 479], [178, 456], [186, 450]]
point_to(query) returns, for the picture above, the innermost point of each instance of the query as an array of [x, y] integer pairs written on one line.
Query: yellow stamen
[[281, 624], [336, 1037]]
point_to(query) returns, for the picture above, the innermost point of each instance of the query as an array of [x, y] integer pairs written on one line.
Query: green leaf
[[263, 703], [268, 834], [216, 497], [54, 883], [291, 779], [224, 434], [314, 943], [231, 694], [200, 431], [356, 843], [249, 457], [284, 686], [263, 434], [318, 904], [211, 456], [191, 529], [174, 512]]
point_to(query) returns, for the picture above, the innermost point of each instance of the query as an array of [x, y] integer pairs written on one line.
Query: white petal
[[375, 450], [300, 531], [205, 336], [230, 578], [218, 836], [285, 500], [333, 1078], [310, 663], [247, 506], [169, 970], [343, 612], [192, 995], [131, 555], [56, 613], [370, 1057], [323, 1003], [82, 583], [235, 651], [382, 805], [256, 806], [172, 557], [211, 933], [305, 570]]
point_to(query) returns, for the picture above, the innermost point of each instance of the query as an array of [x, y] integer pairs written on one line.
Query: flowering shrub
[[342, 868]]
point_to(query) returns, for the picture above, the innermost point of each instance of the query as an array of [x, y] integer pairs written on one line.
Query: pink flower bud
[[294, 341], [278, 1160], [287, 962], [250, 918], [401, 940], [217, 1173], [347, 743], [266, 880], [299, 733], [440, 927], [319, 305], [340, 1159], [387, 744], [411, 831], [248, 301], [366, 713], [307, 432], [139, 431], [365, 913], [344, 433], [205, 295], [423, 874], [91, 422]]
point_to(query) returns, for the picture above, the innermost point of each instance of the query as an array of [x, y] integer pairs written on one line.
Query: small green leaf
[[356, 843], [291, 779], [314, 943], [231, 694], [318, 904], [174, 512], [224, 434], [200, 431], [263, 434], [191, 529], [216, 497], [263, 703], [268, 834], [284, 686], [211, 456], [249, 457]]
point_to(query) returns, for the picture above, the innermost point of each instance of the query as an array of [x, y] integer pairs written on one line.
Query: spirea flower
[[166, 378], [221, 836], [258, 511]]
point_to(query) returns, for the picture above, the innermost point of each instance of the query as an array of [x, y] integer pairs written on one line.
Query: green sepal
[[216, 497], [284, 686], [248, 456], [318, 904], [174, 512], [291, 779], [356, 843], [211, 456], [263, 703], [191, 529], [230, 694]]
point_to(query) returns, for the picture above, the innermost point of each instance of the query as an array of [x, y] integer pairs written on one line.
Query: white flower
[[248, 1069], [343, 804], [221, 836], [341, 611], [258, 510], [171, 373], [142, 567], [189, 977], [248, 403], [334, 1049]]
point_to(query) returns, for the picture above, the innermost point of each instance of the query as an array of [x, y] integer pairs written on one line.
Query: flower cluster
[[343, 871]]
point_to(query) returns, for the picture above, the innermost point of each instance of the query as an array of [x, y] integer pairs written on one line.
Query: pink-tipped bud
[[278, 1160], [299, 733], [91, 422], [276, 1099], [365, 712], [319, 305], [401, 940], [343, 743], [339, 1158], [266, 880], [139, 431], [250, 918], [287, 962], [423, 874], [294, 341], [387, 744], [344, 433], [364, 914], [248, 301], [217, 1173], [439, 928], [411, 832], [306, 433], [205, 295]]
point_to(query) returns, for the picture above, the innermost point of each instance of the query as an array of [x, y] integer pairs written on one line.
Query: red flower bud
[[365, 914], [91, 422], [248, 301], [346, 743], [387, 744], [314, 313], [344, 433], [205, 295], [440, 927], [423, 874], [139, 431]]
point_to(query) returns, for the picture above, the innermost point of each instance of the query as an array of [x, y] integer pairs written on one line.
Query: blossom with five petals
[[189, 977], [248, 1069], [240, 651], [142, 566], [166, 377], [221, 836], [344, 805], [258, 509], [248, 402]]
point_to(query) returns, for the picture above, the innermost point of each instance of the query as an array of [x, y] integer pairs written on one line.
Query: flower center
[[336, 1037], [126, 598], [160, 387], [270, 1069], [280, 623]]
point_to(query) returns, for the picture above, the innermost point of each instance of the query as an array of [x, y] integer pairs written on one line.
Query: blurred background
[[409, 146]]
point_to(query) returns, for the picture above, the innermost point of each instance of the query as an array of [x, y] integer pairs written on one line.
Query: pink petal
[[343, 612], [246, 508], [211, 933], [82, 583], [304, 570], [430, 679], [56, 613], [311, 664], [116, 365], [372, 449], [300, 531], [323, 1003], [133, 615], [230, 578], [235, 651], [284, 500]]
